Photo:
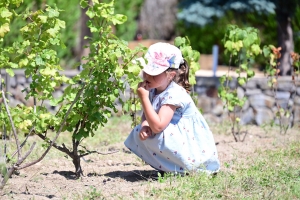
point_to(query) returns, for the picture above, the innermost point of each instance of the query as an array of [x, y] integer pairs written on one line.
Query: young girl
[[173, 136]]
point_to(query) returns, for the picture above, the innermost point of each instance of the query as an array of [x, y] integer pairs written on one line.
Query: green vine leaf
[[119, 19], [10, 72], [4, 28], [52, 13], [4, 13]]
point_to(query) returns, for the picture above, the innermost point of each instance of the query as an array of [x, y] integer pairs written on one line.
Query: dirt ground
[[122, 175]]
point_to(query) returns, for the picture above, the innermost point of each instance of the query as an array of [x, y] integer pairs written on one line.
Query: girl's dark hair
[[182, 76]]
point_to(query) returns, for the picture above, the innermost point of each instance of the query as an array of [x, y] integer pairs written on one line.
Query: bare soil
[[122, 175]]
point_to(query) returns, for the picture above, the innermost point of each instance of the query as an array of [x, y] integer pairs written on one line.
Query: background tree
[[84, 31], [260, 13], [130, 8], [126, 31], [285, 10], [157, 19]]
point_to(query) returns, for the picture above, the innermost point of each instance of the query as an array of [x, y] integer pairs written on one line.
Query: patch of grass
[[91, 194], [116, 130], [223, 127], [272, 175]]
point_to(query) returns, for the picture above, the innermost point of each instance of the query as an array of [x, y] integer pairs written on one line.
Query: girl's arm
[[144, 121], [157, 122]]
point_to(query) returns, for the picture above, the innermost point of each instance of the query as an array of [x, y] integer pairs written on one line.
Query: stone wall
[[262, 103], [260, 107], [15, 85]]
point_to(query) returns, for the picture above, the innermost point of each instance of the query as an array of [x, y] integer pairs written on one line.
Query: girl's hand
[[143, 90], [145, 132]]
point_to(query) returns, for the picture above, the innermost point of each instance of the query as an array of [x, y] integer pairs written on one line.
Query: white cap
[[160, 57]]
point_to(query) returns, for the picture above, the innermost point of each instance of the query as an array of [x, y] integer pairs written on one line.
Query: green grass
[[271, 175], [92, 193], [115, 131]]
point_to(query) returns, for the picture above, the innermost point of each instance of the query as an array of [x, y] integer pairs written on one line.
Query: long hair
[[182, 76]]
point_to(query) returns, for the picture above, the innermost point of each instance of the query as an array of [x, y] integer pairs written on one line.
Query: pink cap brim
[[148, 69]]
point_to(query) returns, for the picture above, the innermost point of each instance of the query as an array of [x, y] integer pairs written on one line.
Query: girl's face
[[160, 82]]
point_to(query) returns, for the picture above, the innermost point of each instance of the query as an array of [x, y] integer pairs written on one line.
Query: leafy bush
[[69, 12]]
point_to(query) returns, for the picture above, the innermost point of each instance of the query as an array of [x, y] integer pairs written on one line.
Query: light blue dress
[[186, 144]]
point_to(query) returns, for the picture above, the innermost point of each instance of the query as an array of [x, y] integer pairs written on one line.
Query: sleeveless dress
[[186, 144]]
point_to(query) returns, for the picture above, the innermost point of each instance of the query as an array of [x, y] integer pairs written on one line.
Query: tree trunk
[[84, 31], [76, 159], [157, 19], [76, 162], [284, 10]]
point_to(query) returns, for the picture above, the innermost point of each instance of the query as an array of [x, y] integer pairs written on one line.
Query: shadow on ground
[[131, 176], [135, 175], [67, 174]]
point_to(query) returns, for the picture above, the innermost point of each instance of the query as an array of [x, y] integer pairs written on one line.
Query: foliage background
[[202, 34], [208, 25], [70, 14]]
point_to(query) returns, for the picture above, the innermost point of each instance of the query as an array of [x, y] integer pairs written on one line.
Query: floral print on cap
[[160, 57]]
